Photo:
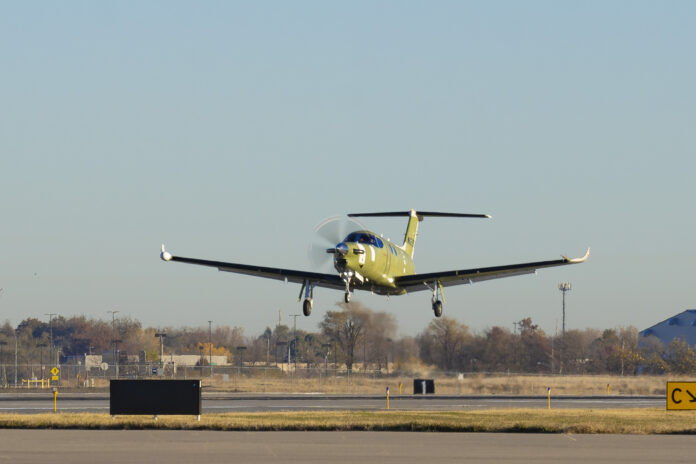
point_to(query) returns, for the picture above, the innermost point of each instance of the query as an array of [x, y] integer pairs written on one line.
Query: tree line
[[355, 337]]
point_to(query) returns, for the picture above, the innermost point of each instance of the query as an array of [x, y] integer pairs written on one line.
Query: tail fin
[[414, 219], [411, 233]]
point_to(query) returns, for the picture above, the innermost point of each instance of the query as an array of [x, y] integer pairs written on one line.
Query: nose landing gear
[[346, 279]]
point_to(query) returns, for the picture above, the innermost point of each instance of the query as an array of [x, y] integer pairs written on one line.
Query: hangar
[[682, 325]]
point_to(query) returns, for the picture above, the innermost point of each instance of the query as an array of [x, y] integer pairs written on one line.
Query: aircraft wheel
[[347, 297], [307, 307], [437, 308]]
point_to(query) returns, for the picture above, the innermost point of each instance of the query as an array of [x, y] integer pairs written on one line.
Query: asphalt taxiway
[[225, 402], [148, 446]]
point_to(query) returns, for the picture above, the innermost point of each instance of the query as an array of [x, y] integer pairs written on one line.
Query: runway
[[225, 402], [147, 446]]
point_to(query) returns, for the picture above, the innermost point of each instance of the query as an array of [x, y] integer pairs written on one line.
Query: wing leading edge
[[289, 275], [418, 282]]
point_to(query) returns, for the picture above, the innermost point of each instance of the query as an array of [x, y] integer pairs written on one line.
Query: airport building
[[682, 325]]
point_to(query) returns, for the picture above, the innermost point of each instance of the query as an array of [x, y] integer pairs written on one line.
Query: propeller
[[327, 235]]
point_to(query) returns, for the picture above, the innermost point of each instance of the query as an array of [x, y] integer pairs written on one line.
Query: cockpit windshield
[[364, 238]]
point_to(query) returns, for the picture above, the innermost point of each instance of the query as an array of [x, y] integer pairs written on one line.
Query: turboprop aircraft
[[367, 261]]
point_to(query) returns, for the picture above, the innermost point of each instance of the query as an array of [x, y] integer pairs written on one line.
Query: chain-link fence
[[235, 378], [327, 379]]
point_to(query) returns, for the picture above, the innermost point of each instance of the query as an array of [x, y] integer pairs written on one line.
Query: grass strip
[[621, 421]]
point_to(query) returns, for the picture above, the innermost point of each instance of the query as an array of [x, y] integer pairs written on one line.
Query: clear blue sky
[[228, 130]]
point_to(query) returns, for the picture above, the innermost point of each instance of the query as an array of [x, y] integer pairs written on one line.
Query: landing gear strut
[[346, 279]]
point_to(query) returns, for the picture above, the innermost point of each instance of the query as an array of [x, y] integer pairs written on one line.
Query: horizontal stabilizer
[[420, 214]]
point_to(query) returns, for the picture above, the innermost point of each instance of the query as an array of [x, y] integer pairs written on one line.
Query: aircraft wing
[[288, 275], [417, 282]]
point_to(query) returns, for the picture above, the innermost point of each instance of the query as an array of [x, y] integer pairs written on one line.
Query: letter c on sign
[[674, 400]]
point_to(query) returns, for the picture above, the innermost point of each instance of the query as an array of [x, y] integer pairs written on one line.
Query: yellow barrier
[[45, 383]]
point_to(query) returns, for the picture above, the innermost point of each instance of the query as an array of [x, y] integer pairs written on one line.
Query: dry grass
[[467, 385], [633, 421]]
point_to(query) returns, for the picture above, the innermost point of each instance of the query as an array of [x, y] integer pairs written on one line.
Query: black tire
[[437, 308], [307, 307], [347, 297]]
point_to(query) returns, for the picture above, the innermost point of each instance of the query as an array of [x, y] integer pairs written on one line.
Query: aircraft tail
[[413, 219], [411, 233]]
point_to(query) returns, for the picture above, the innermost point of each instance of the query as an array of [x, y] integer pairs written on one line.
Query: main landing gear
[[307, 307], [308, 290], [437, 308], [438, 296]]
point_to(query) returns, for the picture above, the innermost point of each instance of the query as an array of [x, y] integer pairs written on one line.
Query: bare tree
[[346, 329]]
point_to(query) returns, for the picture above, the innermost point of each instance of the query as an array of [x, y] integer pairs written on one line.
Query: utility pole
[[161, 336], [564, 287], [41, 346], [113, 330], [210, 343], [16, 350], [294, 337], [3, 375], [50, 327]]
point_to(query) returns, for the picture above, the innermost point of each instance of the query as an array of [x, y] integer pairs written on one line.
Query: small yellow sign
[[681, 395], [55, 370]]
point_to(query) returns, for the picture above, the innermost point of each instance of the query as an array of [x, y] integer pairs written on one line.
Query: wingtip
[[165, 255], [578, 260]]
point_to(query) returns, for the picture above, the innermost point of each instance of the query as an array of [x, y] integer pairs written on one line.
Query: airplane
[[367, 261]]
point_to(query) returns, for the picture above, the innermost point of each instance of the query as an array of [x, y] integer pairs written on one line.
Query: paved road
[[37, 403], [148, 446]]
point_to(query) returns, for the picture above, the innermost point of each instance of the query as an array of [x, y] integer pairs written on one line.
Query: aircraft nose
[[342, 248]]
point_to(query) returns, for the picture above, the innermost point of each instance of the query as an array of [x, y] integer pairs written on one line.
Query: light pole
[[3, 380], [161, 336], [41, 346], [210, 344], [50, 328], [294, 339], [564, 287], [240, 352], [113, 331], [326, 358], [116, 341], [16, 352]]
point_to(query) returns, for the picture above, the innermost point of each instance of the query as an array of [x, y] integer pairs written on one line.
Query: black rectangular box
[[154, 397], [423, 386]]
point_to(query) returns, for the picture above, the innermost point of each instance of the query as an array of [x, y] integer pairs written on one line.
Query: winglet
[[165, 255], [578, 260]]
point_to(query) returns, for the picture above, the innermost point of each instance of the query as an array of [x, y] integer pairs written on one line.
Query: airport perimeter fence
[[327, 379], [72, 375]]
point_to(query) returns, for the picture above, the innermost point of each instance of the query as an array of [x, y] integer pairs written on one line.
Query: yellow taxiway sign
[[681, 395]]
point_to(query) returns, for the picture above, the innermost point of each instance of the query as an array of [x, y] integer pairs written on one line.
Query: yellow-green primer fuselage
[[372, 262]]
